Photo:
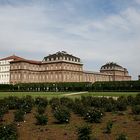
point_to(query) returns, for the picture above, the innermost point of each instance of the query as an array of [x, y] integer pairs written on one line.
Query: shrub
[[122, 137], [130, 100], [27, 108], [19, 115], [12, 102], [1, 115], [43, 102], [62, 114], [94, 115], [54, 102], [87, 100], [84, 132], [64, 101], [78, 107], [121, 104], [136, 109], [110, 107], [8, 132], [137, 99], [41, 119], [92, 101], [41, 109], [108, 127], [3, 110], [26, 104]]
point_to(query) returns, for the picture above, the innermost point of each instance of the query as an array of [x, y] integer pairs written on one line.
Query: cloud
[[137, 1], [95, 31]]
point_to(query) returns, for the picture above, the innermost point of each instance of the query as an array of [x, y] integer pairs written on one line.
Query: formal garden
[[64, 118]]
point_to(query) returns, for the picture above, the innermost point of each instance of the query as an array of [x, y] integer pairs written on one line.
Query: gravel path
[[76, 93]]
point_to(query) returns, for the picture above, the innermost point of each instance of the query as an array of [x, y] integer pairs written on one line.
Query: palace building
[[5, 68], [58, 67]]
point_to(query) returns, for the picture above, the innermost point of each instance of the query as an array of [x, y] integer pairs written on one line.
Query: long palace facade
[[58, 67]]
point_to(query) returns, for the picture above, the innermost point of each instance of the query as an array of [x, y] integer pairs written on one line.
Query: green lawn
[[49, 95], [111, 94], [33, 94]]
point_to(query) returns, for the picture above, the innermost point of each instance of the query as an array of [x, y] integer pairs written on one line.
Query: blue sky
[[97, 31]]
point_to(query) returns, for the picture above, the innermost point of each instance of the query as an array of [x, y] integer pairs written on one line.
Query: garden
[[64, 118]]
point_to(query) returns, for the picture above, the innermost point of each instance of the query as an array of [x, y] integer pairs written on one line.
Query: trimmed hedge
[[53, 87], [73, 86], [6, 87], [116, 86]]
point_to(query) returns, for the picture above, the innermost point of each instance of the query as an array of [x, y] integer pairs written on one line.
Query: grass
[[112, 93], [50, 95]]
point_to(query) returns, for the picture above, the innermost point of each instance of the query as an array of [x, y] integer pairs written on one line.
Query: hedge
[[50, 87], [116, 86], [73, 86]]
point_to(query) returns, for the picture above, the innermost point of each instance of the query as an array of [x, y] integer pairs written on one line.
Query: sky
[[97, 31]]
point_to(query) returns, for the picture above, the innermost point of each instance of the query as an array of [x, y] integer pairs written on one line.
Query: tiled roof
[[14, 57], [28, 61], [19, 59]]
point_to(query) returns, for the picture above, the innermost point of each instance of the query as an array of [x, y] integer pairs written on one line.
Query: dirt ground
[[28, 130]]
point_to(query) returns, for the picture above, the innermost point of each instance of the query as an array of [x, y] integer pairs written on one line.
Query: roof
[[111, 64], [19, 59], [60, 53], [28, 61], [13, 57]]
